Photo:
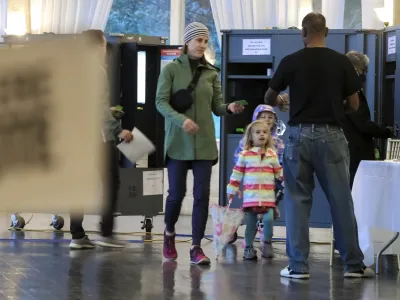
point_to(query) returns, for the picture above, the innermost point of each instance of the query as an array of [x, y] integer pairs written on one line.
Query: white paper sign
[[50, 127], [153, 183], [256, 47], [391, 45]]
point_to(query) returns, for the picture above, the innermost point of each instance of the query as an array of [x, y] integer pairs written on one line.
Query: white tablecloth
[[376, 196]]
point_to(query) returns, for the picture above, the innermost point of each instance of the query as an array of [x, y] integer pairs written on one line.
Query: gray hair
[[359, 60]]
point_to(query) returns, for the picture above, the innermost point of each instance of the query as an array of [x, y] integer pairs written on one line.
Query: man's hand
[[391, 129], [126, 135], [190, 127], [283, 102], [235, 108]]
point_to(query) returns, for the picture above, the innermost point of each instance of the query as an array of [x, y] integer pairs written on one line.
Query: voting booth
[[389, 114], [250, 58]]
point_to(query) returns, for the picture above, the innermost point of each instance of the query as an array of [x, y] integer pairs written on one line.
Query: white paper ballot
[[139, 146]]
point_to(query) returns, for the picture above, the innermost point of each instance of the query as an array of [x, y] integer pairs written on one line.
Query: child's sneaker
[[266, 250], [250, 253], [169, 249], [197, 257]]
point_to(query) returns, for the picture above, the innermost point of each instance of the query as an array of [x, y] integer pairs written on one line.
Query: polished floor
[[39, 265]]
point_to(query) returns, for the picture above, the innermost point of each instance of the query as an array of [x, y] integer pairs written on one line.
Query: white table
[[376, 196]]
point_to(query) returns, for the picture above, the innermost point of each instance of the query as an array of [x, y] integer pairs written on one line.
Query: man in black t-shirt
[[320, 79]]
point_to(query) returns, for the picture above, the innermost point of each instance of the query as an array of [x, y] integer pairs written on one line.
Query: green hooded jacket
[[207, 99]]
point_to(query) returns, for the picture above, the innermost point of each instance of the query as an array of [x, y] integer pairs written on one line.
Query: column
[[177, 22], [396, 12], [3, 18]]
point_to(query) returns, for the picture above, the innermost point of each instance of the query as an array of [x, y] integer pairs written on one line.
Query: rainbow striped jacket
[[258, 172]]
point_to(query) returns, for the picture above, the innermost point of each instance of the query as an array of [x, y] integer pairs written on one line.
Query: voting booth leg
[[383, 250], [332, 248], [17, 221], [57, 222]]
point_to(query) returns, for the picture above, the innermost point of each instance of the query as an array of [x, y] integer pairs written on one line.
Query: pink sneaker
[[197, 257], [169, 249]]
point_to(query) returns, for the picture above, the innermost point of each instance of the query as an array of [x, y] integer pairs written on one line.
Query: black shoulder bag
[[182, 100]]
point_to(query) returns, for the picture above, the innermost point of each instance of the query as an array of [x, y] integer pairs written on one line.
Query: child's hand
[[230, 196]]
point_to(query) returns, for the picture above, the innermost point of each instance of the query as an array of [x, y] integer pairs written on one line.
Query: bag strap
[[195, 79]]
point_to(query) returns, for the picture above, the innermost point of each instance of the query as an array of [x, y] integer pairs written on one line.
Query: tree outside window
[[144, 17]]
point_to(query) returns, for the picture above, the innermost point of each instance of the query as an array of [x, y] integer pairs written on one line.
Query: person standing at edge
[[190, 136], [358, 127], [110, 131], [319, 80]]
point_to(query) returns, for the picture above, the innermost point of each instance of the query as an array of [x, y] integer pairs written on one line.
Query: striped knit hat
[[194, 30]]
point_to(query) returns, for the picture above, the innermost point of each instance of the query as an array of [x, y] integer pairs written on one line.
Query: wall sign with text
[[256, 47]]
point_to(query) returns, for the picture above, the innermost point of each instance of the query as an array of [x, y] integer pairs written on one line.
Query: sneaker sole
[[295, 276], [108, 245], [356, 275], [170, 258], [250, 259], [80, 247], [202, 262]]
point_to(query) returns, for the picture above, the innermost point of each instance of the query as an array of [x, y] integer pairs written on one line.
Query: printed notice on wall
[[256, 47], [153, 183], [168, 56], [391, 45]]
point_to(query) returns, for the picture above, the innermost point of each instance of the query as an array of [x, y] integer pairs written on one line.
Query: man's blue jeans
[[323, 150]]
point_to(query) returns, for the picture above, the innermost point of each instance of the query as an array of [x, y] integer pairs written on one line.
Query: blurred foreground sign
[[50, 136]]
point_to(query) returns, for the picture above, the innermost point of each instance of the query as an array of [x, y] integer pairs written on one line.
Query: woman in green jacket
[[190, 136]]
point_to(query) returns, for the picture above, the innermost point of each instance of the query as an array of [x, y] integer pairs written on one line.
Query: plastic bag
[[226, 221]]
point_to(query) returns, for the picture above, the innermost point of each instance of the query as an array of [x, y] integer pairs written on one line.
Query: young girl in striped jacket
[[258, 167]]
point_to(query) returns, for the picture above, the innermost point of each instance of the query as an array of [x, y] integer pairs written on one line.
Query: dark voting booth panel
[[138, 63], [249, 60], [141, 62], [389, 55]]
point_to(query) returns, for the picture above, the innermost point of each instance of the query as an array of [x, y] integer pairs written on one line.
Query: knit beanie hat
[[195, 30]]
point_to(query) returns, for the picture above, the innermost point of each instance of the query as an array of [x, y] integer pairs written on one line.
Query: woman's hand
[[235, 108], [190, 127]]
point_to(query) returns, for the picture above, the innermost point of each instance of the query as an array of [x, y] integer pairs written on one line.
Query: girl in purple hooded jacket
[[267, 113]]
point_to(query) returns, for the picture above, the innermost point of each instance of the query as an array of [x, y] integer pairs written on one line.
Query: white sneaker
[[288, 273], [83, 243]]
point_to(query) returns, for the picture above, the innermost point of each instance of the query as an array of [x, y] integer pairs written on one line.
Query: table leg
[[384, 249]]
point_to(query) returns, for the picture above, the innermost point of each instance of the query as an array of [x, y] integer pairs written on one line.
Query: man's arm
[[270, 97], [274, 99], [278, 83]]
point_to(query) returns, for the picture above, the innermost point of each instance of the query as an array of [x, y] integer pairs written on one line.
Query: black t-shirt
[[319, 80]]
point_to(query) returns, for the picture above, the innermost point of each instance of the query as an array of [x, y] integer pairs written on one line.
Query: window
[[200, 11], [352, 14], [145, 17]]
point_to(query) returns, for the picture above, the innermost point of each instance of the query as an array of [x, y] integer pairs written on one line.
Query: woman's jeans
[[177, 174]]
